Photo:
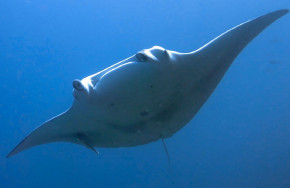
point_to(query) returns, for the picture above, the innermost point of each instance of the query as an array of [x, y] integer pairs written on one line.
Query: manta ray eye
[[141, 57]]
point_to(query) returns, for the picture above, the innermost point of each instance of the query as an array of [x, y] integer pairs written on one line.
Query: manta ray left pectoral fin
[[84, 140], [50, 131], [58, 129]]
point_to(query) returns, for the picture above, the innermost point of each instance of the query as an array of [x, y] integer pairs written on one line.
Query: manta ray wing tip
[[18, 148], [281, 12], [8, 155], [285, 10]]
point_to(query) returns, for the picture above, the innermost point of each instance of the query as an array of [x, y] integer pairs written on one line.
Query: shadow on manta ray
[[148, 96]]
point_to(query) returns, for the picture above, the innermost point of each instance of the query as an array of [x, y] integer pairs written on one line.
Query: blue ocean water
[[239, 138]]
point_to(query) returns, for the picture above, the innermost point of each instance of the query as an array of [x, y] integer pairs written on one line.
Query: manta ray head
[[81, 88], [134, 84], [156, 53]]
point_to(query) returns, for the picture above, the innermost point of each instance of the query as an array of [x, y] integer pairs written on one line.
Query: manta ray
[[146, 97]]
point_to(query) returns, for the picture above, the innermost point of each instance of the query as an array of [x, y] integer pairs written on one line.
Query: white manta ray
[[148, 96]]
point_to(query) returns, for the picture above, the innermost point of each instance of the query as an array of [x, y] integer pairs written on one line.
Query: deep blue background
[[240, 137]]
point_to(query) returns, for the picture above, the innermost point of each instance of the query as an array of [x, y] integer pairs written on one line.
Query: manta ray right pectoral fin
[[228, 45], [84, 140]]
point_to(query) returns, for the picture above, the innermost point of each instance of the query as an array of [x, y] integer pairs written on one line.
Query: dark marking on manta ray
[[133, 128], [144, 113], [166, 114]]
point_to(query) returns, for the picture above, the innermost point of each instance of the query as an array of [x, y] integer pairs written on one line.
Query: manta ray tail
[[167, 154]]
